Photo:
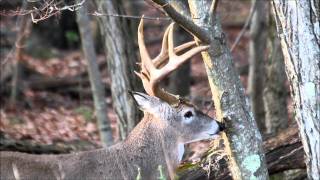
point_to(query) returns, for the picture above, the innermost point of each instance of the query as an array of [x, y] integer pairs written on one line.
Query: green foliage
[[86, 112], [72, 37]]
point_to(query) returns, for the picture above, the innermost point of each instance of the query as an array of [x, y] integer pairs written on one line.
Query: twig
[[130, 17], [245, 26]]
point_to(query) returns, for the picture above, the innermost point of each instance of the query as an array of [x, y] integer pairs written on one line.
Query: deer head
[[186, 122], [192, 124]]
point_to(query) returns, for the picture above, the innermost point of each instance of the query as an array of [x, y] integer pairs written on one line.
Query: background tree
[[24, 30], [257, 47], [244, 143], [298, 28], [94, 76], [121, 60], [275, 91]]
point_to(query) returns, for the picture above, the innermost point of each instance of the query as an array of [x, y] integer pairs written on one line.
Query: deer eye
[[188, 114]]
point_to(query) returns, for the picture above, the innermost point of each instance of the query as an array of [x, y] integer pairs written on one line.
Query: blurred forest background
[[48, 62]]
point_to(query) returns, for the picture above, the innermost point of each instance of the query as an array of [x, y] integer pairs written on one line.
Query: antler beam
[[154, 70]]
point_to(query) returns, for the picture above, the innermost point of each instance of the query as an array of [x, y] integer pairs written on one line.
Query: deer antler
[[151, 74]]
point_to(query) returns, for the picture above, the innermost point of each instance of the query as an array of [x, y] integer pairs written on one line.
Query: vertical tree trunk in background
[[275, 92], [121, 64], [257, 47], [244, 142], [132, 8], [94, 76], [24, 23], [298, 28]]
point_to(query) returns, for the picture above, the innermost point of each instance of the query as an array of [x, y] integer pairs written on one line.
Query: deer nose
[[221, 126]]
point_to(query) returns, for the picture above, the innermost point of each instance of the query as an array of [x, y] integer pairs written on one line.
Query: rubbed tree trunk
[[121, 58], [94, 76], [243, 142], [275, 92], [298, 28], [256, 78]]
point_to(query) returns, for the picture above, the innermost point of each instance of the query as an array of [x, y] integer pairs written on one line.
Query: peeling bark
[[298, 28]]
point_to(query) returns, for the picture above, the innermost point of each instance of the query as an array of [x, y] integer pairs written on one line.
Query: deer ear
[[148, 103]]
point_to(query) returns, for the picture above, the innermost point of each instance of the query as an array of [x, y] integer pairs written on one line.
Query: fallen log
[[27, 146]]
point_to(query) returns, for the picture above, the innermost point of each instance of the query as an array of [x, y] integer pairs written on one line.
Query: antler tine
[[176, 61], [163, 55], [145, 57]]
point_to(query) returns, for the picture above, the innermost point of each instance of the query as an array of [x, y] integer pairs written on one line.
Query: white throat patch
[[180, 151]]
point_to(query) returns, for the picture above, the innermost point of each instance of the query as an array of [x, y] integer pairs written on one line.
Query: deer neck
[[156, 141]]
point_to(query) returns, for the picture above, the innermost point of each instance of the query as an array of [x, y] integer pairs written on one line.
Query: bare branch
[[184, 21], [245, 27]]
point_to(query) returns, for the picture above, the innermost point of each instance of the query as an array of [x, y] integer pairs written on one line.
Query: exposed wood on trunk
[[121, 61], [97, 87], [298, 28]]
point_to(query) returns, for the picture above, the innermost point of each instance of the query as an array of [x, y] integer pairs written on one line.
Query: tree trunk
[[24, 24], [244, 143], [257, 46], [275, 93], [121, 64], [298, 28], [94, 76]]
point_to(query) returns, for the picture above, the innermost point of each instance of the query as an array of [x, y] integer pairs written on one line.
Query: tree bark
[[244, 142], [94, 76], [257, 46], [275, 92], [298, 27], [121, 64]]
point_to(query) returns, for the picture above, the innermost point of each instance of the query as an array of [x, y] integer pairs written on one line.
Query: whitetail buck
[[158, 140]]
